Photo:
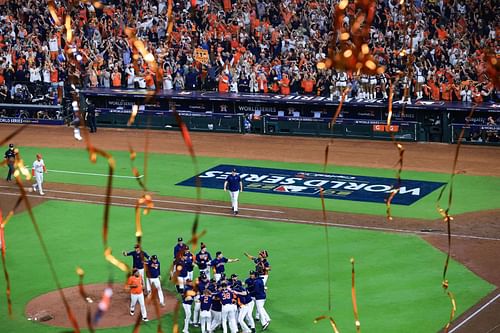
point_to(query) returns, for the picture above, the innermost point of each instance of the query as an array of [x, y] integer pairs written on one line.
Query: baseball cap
[[234, 276], [252, 272], [11, 145], [179, 239], [134, 270], [217, 253], [154, 257]]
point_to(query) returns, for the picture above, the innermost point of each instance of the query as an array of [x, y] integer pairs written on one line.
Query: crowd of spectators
[[436, 47]]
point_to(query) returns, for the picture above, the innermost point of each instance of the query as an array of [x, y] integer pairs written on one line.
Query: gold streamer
[[4, 264], [353, 295], [80, 272], [331, 320]]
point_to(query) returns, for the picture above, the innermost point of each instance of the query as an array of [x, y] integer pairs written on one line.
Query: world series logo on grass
[[308, 183]]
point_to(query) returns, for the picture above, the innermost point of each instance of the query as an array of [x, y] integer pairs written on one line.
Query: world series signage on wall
[[309, 184]]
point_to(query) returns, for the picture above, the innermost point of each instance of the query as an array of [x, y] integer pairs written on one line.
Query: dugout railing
[[31, 114]]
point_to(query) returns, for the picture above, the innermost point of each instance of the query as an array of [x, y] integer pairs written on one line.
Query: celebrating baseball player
[[205, 314], [218, 264], [203, 259], [154, 277], [10, 158], [256, 285], [235, 185], [262, 266], [139, 258], [37, 171], [226, 297], [135, 284]]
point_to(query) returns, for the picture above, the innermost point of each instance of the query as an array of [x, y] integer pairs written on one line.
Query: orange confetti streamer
[[69, 31], [332, 123], [331, 320], [112, 259], [53, 12], [452, 312], [4, 265], [353, 295], [80, 272], [133, 114]]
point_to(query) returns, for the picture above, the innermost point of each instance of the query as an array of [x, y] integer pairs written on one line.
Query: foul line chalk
[[472, 315], [93, 174]]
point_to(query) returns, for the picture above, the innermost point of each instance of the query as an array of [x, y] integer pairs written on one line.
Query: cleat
[[145, 319], [42, 193], [34, 188], [266, 325], [131, 313]]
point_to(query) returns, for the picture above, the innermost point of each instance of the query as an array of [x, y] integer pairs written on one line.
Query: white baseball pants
[[205, 319], [157, 284], [197, 306], [39, 181], [229, 315], [264, 279], [246, 313], [134, 298], [234, 199], [216, 320], [264, 317], [187, 312], [217, 276]]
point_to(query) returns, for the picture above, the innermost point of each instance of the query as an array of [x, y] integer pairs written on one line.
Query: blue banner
[[308, 184]]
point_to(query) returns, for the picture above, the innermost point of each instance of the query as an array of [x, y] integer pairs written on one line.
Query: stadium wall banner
[[309, 184]]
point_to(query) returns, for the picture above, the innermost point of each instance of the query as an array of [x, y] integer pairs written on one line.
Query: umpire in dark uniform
[[10, 157], [90, 116]]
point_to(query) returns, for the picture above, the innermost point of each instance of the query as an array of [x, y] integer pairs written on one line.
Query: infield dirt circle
[[50, 304]]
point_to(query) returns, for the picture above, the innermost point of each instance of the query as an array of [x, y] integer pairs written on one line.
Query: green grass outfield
[[471, 193], [398, 276]]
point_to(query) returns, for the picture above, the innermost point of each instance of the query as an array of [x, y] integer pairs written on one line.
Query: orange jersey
[[135, 284]]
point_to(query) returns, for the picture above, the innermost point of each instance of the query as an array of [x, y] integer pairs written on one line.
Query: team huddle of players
[[212, 299]]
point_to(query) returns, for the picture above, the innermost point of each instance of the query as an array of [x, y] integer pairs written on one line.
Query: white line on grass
[[93, 174], [157, 200], [472, 315], [268, 218]]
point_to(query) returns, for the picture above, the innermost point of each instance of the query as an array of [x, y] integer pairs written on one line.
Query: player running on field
[[154, 277]]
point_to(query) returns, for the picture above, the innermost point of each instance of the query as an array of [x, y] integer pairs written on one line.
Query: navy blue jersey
[[226, 297], [206, 302], [261, 265], [138, 258], [203, 259], [216, 305], [189, 262], [202, 285], [233, 182], [153, 269], [177, 248], [186, 299], [258, 289], [183, 272], [245, 299], [219, 264], [235, 284], [250, 286]]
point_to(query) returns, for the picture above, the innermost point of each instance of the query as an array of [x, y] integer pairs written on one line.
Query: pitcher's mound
[[49, 308]]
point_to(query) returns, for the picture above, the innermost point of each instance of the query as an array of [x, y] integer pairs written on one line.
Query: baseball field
[[399, 263]]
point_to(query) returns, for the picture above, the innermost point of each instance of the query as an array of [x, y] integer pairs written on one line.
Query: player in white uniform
[[37, 171]]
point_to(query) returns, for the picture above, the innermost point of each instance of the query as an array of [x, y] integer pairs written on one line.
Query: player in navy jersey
[[235, 185], [262, 266], [203, 259], [201, 284], [187, 301], [139, 258], [216, 311], [181, 266], [178, 247], [259, 293], [218, 264], [189, 263], [234, 281], [226, 297], [205, 311], [154, 277], [246, 304]]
